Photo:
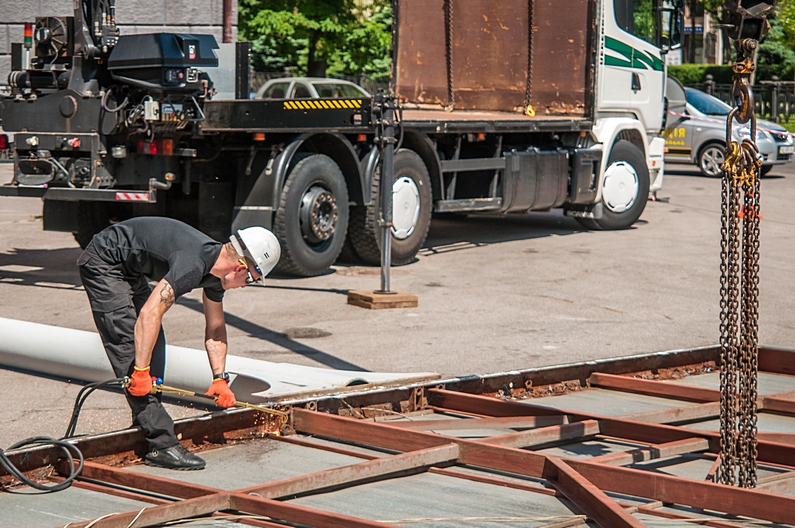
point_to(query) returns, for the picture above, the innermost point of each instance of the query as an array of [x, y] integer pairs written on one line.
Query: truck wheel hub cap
[[620, 190], [318, 214], [405, 207]]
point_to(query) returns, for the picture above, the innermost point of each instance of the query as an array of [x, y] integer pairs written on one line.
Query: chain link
[[739, 290], [448, 42]]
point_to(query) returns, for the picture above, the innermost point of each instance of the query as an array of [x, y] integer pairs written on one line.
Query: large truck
[[506, 107]]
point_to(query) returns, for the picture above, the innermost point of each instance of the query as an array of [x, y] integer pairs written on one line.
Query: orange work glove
[[140, 382], [224, 396]]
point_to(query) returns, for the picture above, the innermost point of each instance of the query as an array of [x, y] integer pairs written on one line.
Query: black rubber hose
[[71, 452]]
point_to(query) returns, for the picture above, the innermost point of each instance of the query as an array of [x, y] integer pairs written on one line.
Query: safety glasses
[[250, 279]]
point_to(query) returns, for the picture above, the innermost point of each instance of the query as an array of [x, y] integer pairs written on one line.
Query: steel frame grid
[[590, 484]]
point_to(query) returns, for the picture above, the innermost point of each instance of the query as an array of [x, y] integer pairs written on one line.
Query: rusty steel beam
[[590, 499], [777, 405], [770, 452], [659, 389], [141, 481], [158, 515], [677, 414], [390, 466], [777, 360], [546, 436], [528, 422], [653, 452], [299, 514], [696, 493], [631, 482], [210, 501], [780, 438]]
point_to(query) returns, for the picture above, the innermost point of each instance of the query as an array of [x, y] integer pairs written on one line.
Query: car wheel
[[313, 216], [710, 159], [764, 169], [411, 213], [625, 188]]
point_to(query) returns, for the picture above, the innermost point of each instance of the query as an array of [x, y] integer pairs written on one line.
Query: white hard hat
[[260, 245]]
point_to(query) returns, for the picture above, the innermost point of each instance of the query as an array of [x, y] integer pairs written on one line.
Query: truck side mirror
[[670, 25]]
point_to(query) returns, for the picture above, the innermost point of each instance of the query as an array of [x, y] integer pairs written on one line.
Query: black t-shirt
[[163, 248]]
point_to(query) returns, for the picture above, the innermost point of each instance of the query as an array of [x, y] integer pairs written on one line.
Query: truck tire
[[625, 189], [313, 216], [710, 158], [92, 217], [411, 211]]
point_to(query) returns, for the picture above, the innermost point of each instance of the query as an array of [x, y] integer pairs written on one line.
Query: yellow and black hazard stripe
[[322, 104]]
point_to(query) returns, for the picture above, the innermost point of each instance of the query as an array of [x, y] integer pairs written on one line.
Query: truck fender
[[335, 146], [609, 131], [419, 143]]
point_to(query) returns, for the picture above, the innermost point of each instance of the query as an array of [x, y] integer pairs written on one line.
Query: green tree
[[318, 37]]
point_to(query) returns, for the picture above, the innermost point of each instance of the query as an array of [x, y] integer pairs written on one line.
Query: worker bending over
[[128, 313]]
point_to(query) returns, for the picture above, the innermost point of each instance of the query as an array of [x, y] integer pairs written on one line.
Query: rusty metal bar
[[659, 389], [144, 482], [777, 360], [777, 405], [389, 466], [528, 422], [546, 436], [677, 414], [653, 452], [699, 494], [162, 514], [299, 514], [770, 452], [589, 498], [621, 480]]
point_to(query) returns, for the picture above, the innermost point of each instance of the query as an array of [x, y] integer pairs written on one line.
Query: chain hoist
[[739, 268]]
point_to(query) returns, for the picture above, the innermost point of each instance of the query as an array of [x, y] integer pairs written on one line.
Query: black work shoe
[[174, 457]]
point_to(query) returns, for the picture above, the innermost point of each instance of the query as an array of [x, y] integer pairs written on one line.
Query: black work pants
[[116, 300]]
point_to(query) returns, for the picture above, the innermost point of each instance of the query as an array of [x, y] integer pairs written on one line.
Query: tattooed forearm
[[167, 295]]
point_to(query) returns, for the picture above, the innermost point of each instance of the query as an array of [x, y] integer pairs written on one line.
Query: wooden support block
[[377, 300]]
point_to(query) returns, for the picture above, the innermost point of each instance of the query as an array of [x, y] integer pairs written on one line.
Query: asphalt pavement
[[495, 294]]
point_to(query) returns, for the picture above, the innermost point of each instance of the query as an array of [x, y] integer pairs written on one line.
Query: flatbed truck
[[506, 107]]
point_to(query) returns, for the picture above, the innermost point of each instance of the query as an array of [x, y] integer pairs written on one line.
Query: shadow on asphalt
[[277, 338], [465, 232], [46, 268]]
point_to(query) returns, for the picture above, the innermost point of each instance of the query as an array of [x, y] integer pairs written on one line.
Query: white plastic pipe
[[79, 355]]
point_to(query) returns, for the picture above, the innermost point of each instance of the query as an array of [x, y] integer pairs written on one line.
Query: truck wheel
[[312, 216], [411, 213], [625, 188], [92, 217], [710, 158]]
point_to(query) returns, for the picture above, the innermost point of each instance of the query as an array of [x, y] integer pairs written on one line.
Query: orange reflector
[[167, 147], [481, 136], [259, 136], [582, 133], [361, 138]]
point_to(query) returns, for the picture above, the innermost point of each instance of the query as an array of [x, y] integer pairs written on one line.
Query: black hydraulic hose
[[71, 452], [104, 102]]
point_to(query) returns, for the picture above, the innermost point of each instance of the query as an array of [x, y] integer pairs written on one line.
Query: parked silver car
[[309, 88], [695, 132]]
